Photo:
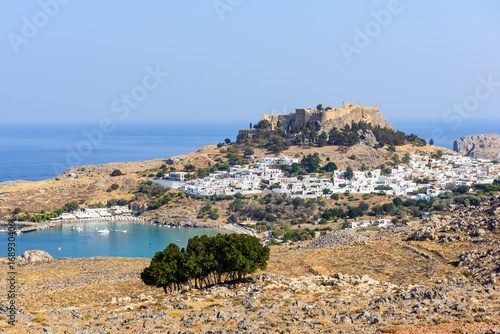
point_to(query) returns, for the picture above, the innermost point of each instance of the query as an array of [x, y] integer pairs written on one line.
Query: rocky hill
[[483, 146], [324, 119]]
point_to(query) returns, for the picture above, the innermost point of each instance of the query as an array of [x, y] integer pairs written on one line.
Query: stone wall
[[327, 118]]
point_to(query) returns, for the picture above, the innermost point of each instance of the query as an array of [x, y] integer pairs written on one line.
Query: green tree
[[431, 142], [296, 140], [227, 141], [206, 260], [397, 201], [276, 144], [364, 206], [297, 202], [199, 260], [330, 167], [377, 210], [248, 151], [349, 173], [71, 206], [190, 168], [311, 163], [322, 139], [407, 158], [263, 124], [165, 268], [116, 172], [395, 159], [354, 212]]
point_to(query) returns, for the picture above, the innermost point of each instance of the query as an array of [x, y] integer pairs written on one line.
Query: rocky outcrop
[[33, 256], [355, 114], [476, 224], [483, 146], [338, 238]]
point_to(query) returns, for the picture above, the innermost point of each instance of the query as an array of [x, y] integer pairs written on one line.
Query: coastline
[[34, 226], [227, 228]]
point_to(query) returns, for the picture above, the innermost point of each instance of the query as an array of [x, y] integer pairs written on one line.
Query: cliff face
[[483, 146], [369, 115], [326, 118]]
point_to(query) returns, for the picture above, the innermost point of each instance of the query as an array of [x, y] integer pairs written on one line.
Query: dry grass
[[381, 260]]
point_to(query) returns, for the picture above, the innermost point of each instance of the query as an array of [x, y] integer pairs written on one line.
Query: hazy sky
[[67, 61]]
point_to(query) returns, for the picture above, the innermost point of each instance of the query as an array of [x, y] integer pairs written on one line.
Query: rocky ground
[[106, 297], [439, 276], [338, 238]]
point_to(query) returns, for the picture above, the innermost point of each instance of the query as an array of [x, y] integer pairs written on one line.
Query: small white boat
[[79, 228], [72, 227], [105, 231], [124, 231], [178, 241], [18, 232]]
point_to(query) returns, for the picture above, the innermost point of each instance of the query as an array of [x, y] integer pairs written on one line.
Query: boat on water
[[105, 231], [18, 232], [79, 228], [124, 231]]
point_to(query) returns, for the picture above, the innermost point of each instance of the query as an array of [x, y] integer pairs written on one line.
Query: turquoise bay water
[[141, 240]]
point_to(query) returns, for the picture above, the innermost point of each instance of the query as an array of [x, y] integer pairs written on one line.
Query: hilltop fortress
[[325, 118]]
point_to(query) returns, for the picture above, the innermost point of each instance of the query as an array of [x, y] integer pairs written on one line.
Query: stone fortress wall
[[326, 118], [330, 117]]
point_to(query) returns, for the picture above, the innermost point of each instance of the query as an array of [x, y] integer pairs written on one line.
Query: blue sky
[[77, 61]]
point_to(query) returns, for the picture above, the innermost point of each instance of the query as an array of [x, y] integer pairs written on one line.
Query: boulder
[[34, 256]]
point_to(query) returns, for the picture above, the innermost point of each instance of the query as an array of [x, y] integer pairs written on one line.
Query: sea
[[40, 151], [139, 240]]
